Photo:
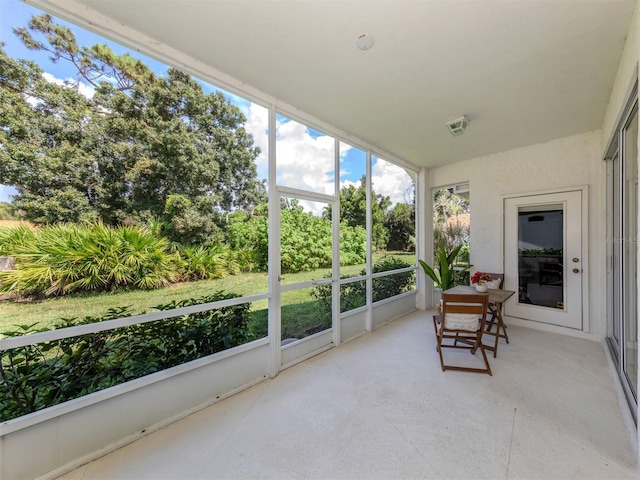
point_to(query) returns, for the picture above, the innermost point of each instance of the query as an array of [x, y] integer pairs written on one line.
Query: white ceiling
[[522, 71]]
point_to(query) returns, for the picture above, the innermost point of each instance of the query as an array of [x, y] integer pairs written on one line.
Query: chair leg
[[486, 360], [439, 348]]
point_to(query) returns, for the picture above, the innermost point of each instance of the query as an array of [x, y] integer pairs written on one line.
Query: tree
[[44, 129], [306, 239], [451, 220], [401, 222], [7, 211], [353, 211], [123, 153], [187, 224]]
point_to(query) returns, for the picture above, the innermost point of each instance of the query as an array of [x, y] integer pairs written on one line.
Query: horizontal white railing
[[35, 338]]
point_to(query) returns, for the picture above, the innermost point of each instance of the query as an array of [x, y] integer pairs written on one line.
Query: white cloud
[[257, 125], [391, 180], [83, 89], [304, 161], [349, 183], [307, 162]]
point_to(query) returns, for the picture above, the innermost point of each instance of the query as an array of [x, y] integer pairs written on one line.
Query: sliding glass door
[[622, 252]]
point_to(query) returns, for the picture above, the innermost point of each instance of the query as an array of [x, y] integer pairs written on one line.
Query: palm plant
[[64, 258]]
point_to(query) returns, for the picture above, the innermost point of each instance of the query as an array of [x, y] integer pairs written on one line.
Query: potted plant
[[480, 280], [443, 274]]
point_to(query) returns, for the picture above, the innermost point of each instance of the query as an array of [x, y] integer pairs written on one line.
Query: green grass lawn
[[300, 312]]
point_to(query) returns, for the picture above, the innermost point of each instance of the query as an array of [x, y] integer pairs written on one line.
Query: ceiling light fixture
[[364, 42], [458, 125]]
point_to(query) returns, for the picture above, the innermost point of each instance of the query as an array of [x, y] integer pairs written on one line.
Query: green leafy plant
[[353, 295], [38, 376], [67, 258], [391, 285], [443, 274], [306, 239], [216, 261]]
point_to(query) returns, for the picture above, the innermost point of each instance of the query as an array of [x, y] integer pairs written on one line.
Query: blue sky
[[308, 146]]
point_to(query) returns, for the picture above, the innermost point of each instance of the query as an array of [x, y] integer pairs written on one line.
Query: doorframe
[[585, 332]]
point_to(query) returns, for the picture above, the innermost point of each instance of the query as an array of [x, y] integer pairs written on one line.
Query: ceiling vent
[[458, 125]]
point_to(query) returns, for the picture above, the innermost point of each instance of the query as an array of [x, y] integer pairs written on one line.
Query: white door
[[306, 323], [544, 258]]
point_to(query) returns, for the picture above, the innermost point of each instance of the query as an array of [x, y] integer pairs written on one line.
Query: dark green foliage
[[44, 131], [391, 285], [7, 211], [353, 245], [191, 223], [353, 295], [401, 224], [120, 155], [250, 234], [46, 374], [353, 212], [305, 239]]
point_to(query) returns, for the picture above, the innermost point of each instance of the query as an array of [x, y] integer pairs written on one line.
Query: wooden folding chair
[[462, 323], [495, 317]]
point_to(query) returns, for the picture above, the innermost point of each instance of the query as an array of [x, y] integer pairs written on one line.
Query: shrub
[[201, 263], [391, 285], [13, 237], [66, 258], [46, 374], [353, 245], [353, 295], [306, 240]]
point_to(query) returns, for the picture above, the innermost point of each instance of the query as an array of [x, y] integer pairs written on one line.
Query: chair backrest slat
[[474, 303]]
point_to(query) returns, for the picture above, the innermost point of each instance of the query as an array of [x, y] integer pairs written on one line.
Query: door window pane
[[614, 246], [303, 313], [540, 256], [630, 252], [305, 240]]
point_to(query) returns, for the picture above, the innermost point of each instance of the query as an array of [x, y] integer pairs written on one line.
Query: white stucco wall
[[568, 162]]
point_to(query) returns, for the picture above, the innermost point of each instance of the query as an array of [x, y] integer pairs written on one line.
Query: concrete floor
[[380, 408]]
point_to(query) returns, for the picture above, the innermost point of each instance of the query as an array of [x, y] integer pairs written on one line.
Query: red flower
[[481, 277]]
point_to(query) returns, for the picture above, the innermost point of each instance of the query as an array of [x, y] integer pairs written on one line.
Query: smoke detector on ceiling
[[364, 42], [457, 126]]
